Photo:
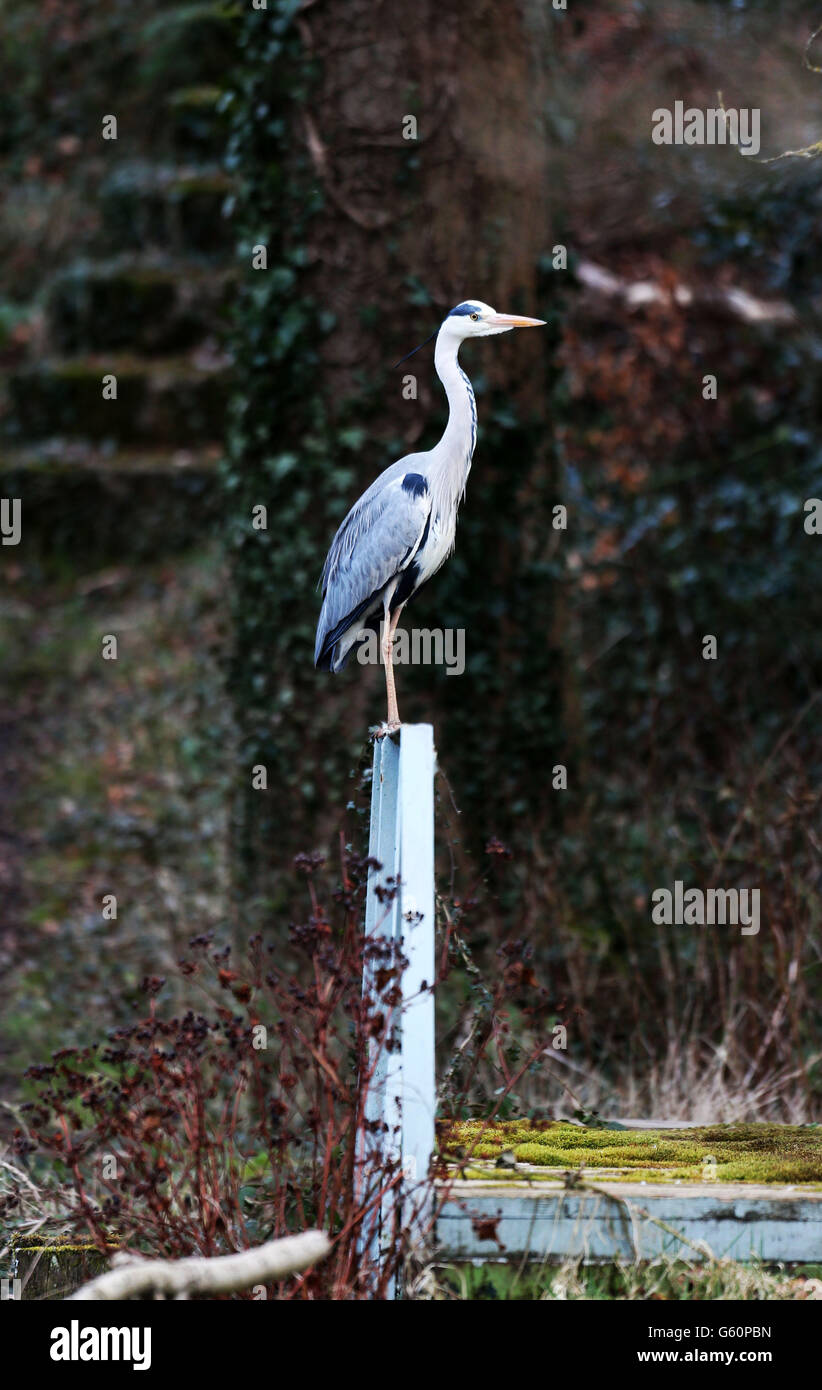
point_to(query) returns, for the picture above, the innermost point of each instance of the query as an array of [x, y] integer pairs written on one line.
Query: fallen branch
[[636, 294], [200, 1275]]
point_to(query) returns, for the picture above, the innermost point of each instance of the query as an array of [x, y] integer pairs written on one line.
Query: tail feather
[[332, 649], [336, 649]]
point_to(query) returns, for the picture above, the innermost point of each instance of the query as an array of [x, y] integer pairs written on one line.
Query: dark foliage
[[223, 1126]]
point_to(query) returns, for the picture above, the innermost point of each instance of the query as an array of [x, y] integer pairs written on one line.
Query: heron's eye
[[475, 317]]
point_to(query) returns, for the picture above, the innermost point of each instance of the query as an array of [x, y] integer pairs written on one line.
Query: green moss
[[195, 98], [213, 183], [56, 459], [757, 1153]]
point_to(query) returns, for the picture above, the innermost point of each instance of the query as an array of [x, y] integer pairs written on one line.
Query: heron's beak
[[514, 321]]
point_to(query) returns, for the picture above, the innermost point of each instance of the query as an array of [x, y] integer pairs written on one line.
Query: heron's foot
[[385, 729]]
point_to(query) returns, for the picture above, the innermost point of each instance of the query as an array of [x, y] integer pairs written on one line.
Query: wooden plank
[[630, 1221]]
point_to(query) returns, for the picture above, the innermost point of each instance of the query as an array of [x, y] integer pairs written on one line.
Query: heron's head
[[473, 319]]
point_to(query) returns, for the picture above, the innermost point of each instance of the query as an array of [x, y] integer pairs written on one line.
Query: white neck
[[460, 437]]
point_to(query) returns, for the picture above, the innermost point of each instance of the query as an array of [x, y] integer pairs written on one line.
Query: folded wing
[[374, 546]]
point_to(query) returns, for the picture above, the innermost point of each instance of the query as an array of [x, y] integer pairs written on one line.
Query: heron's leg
[[389, 628]]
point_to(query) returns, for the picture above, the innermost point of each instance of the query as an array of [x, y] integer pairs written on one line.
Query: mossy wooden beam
[[750, 1191], [608, 1221]]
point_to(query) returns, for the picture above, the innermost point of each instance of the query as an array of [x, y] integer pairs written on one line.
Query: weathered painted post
[[402, 1093]]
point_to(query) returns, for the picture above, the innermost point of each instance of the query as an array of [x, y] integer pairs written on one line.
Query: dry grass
[[692, 1082], [662, 1279]]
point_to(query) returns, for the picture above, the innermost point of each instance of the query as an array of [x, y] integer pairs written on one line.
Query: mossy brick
[[197, 125], [144, 206], [99, 506], [149, 309], [196, 204], [168, 400], [187, 44]]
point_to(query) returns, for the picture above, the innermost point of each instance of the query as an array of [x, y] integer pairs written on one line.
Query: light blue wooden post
[[402, 1092], [416, 927], [380, 915]]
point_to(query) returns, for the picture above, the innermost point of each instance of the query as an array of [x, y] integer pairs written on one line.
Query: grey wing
[[377, 541]]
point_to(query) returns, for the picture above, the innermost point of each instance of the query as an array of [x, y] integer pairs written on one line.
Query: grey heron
[[403, 527]]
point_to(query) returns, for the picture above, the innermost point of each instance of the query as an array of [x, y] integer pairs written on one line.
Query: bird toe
[[385, 729]]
